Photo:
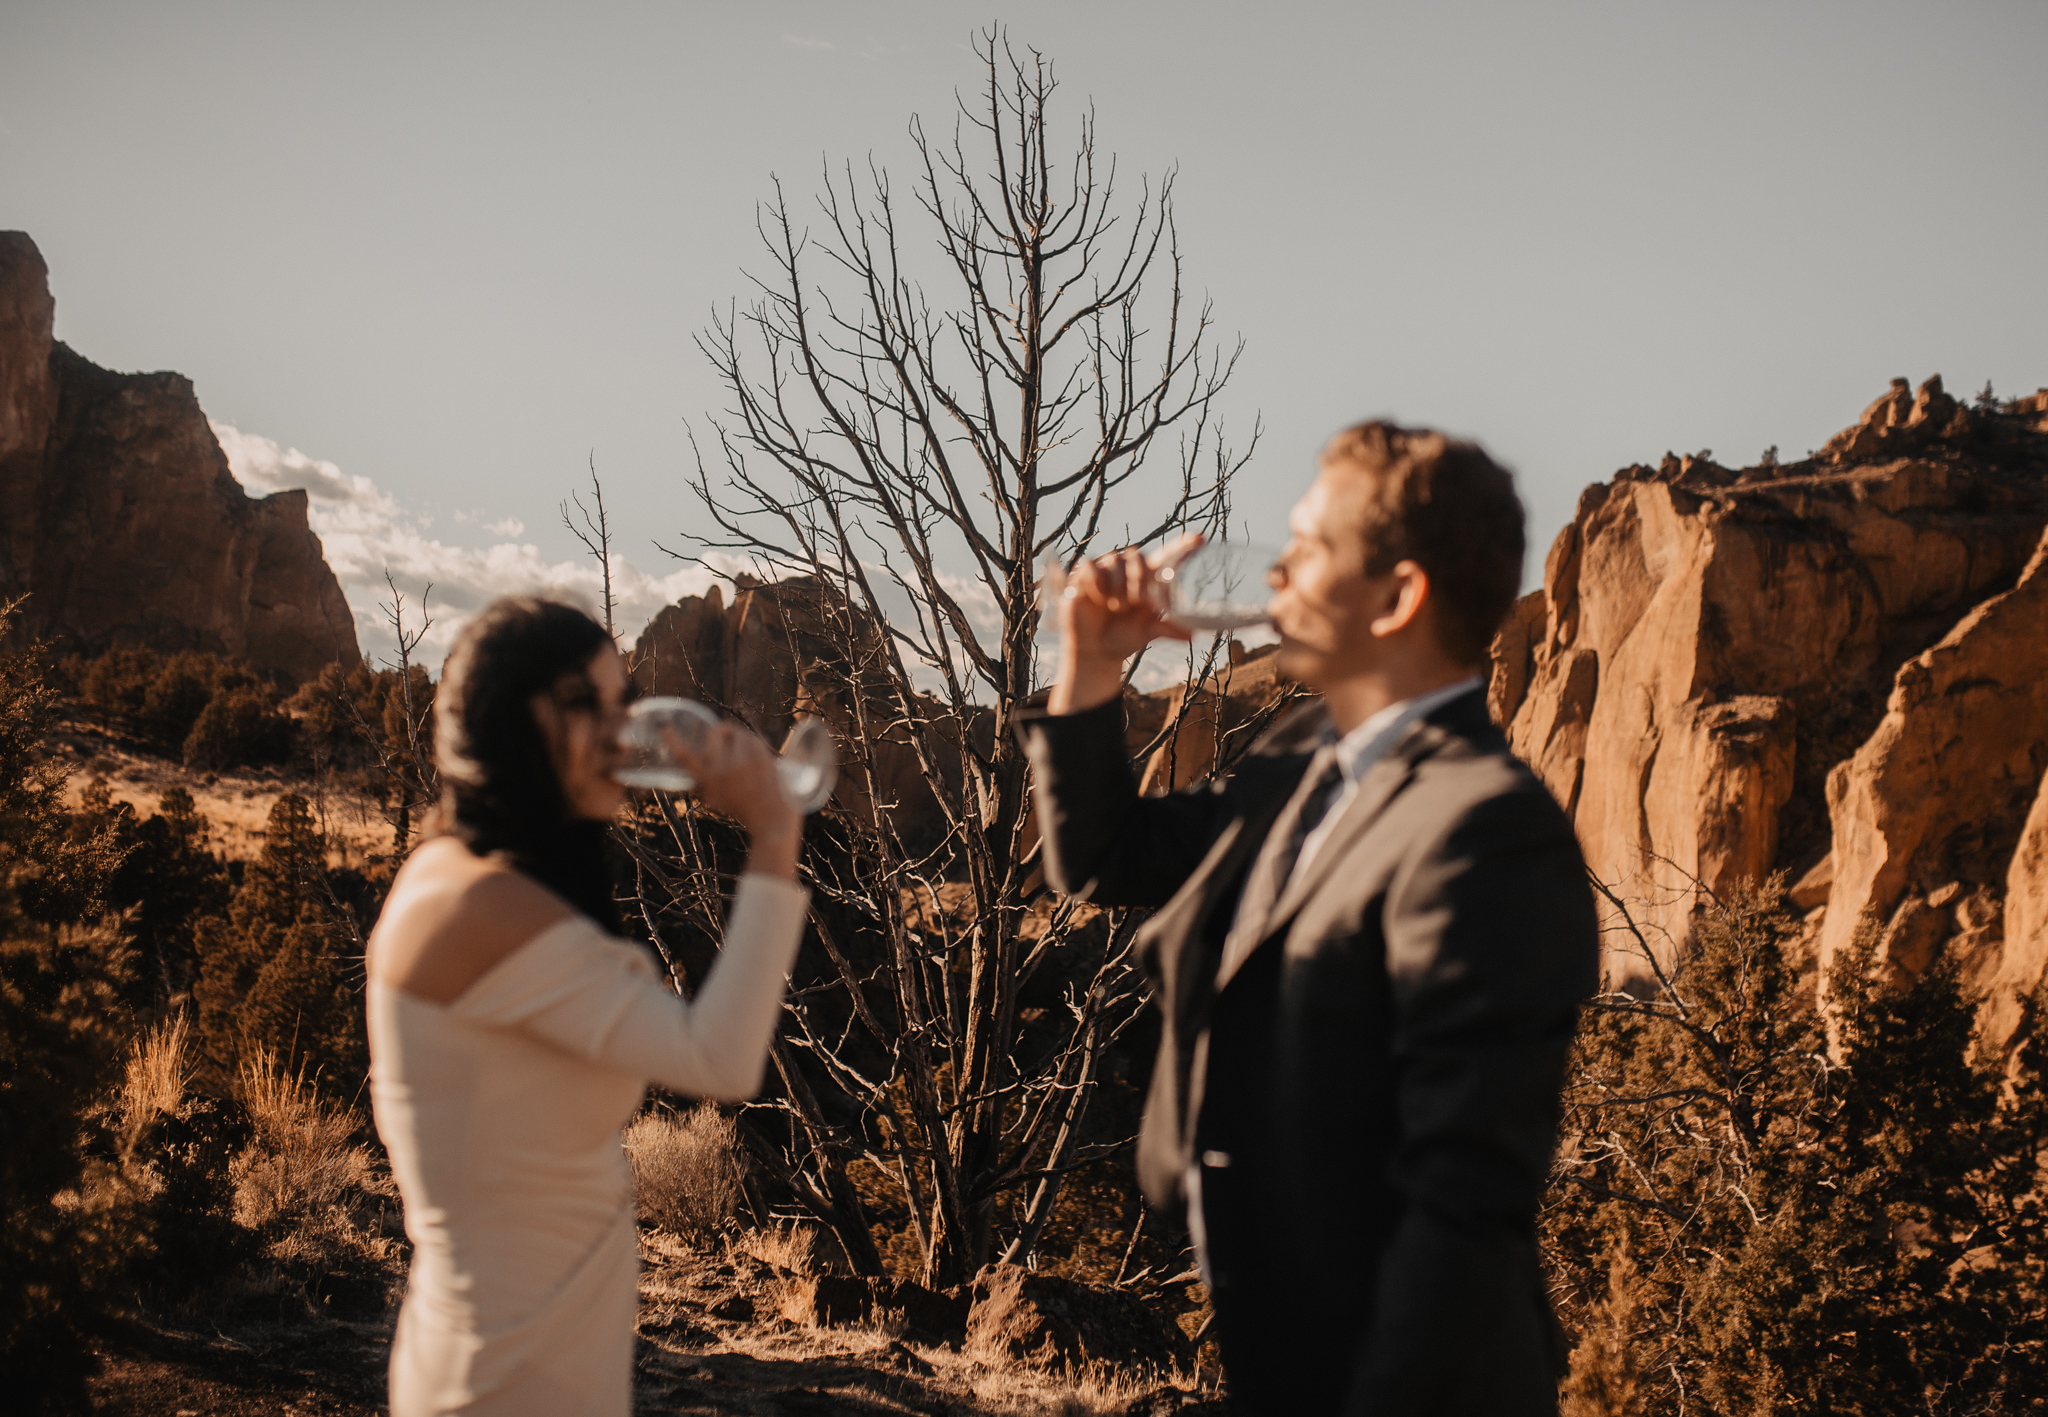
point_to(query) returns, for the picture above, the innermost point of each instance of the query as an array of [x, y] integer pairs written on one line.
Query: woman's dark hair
[[500, 794]]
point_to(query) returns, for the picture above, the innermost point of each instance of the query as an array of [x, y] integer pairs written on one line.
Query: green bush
[[239, 727], [272, 975]]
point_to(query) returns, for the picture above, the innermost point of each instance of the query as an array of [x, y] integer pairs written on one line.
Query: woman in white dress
[[512, 1034]]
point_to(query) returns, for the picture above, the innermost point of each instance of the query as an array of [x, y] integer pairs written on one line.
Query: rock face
[[788, 650], [120, 519], [2014, 1000], [1836, 668]]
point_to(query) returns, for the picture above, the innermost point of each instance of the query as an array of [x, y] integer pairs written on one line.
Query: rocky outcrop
[[120, 519], [2015, 997], [793, 649], [1836, 668]]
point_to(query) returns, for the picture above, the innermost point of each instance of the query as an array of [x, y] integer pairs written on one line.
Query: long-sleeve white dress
[[501, 1112]]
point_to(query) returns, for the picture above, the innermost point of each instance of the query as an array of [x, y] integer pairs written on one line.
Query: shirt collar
[[1366, 744]]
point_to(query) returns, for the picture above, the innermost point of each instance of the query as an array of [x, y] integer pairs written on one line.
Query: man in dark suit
[[1370, 943]]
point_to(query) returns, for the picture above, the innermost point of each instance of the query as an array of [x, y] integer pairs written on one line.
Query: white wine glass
[[807, 767], [1218, 586]]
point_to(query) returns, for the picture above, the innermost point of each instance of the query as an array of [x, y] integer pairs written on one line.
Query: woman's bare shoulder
[[451, 916]]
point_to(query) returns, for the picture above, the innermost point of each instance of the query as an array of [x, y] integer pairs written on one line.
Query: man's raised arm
[[1100, 839]]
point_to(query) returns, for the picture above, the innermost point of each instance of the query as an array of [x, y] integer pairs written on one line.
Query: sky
[[432, 260]]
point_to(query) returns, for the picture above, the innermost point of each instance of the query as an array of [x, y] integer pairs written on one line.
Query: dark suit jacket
[[1382, 1071]]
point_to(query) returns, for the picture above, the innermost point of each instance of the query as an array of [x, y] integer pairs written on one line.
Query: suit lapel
[[1380, 785], [1382, 782], [1260, 892]]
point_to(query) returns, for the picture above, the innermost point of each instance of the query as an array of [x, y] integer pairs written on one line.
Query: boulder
[[1022, 1316], [120, 519]]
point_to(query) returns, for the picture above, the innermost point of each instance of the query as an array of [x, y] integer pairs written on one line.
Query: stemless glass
[[808, 766], [1220, 585]]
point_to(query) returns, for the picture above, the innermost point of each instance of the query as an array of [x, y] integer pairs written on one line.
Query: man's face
[[1323, 603]]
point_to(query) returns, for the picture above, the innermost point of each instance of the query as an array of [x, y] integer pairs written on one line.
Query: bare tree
[[909, 457], [596, 535], [403, 741]]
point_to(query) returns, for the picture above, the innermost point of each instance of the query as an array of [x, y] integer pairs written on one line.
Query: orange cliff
[[1836, 668]]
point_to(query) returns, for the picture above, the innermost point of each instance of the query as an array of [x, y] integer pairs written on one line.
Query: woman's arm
[[577, 988]]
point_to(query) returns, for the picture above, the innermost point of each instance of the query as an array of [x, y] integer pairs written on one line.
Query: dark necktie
[[1275, 862]]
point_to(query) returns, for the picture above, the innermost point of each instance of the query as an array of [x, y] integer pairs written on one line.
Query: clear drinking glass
[[808, 765], [1220, 585]]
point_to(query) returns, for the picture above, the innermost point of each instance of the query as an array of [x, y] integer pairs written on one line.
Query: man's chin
[[1298, 662]]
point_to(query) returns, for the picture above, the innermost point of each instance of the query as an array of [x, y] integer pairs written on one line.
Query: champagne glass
[[808, 766], [1220, 585]]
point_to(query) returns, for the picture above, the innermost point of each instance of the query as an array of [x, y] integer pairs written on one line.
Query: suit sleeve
[[1100, 839], [1492, 943]]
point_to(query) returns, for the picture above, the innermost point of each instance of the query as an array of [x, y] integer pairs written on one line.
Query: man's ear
[[1405, 594]]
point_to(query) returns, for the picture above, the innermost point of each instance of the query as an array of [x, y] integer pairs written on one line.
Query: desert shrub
[[1750, 1218], [215, 713], [169, 880], [239, 727], [686, 1169], [272, 974], [71, 1218], [179, 1143], [311, 1196], [793, 1248], [303, 1159]]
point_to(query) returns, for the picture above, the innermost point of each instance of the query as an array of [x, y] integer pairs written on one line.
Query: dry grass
[[686, 1170], [304, 1162], [159, 1070], [1097, 1392], [793, 1247]]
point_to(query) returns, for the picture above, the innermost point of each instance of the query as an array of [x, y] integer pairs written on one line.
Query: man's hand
[[1110, 611]]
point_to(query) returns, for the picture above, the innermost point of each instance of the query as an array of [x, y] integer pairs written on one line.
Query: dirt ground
[[714, 1340]]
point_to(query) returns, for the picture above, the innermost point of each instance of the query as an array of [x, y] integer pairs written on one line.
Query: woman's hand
[[735, 772]]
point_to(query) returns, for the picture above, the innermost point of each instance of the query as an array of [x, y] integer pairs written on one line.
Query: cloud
[[807, 41], [367, 533]]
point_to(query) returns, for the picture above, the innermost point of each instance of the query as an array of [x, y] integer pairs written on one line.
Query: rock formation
[[120, 519], [788, 650], [1836, 668]]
